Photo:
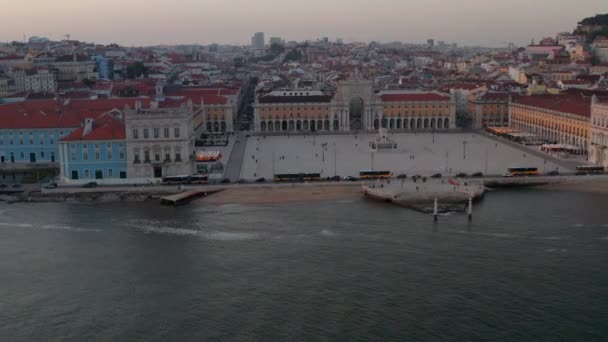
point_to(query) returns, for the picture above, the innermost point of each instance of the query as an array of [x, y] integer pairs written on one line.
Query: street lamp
[[464, 149]]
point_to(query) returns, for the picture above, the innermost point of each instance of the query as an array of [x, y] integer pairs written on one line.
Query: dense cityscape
[[119, 115], [309, 190]]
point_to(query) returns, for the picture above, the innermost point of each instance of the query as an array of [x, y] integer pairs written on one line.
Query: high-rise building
[[257, 41]]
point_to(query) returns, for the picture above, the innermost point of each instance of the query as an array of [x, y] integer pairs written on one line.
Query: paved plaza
[[420, 153]]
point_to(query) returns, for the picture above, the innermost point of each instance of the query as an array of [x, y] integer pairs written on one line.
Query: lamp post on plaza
[[464, 149], [335, 158], [486, 161], [447, 154], [323, 146]]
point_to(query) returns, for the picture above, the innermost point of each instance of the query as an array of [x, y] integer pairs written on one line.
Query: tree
[[293, 55], [136, 70], [276, 49], [88, 82]]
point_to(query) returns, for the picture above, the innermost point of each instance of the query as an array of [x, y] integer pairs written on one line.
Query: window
[[31, 138], [135, 133], [146, 156], [121, 155], [156, 133], [73, 154], [109, 154], [166, 132], [136, 156], [86, 173], [176, 133], [41, 138], [85, 155], [167, 157], [110, 173], [178, 157], [41, 154], [20, 138], [145, 133], [22, 155], [52, 140]]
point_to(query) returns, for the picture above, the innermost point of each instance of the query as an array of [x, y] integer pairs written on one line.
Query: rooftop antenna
[[67, 36]]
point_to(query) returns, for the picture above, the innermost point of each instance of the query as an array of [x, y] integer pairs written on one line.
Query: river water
[[530, 266]]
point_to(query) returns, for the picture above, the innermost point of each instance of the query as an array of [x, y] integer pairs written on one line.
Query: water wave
[[327, 232], [14, 224], [68, 228], [221, 236], [47, 227]]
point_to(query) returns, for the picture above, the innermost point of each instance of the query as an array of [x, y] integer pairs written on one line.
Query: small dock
[[421, 196], [185, 197]]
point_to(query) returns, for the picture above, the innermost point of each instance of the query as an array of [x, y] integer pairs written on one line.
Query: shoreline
[[269, 193]]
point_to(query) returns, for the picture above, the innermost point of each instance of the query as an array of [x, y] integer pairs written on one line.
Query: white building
[[35, 81], [598, 153], [160, 141]]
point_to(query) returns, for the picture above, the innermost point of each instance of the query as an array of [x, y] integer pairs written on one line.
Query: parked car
[[225, 181], [3, 186], [241, 181], [437, 175], [461, 175], [402, 176], [260, 180], [16, 185], [90, 185], [351, 179], [334, 178], [50, 185], [477, 174], [553, 173]]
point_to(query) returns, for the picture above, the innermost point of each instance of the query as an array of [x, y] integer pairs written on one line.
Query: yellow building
[[353, 107], [490, 110], [562, 119], [598, 153]]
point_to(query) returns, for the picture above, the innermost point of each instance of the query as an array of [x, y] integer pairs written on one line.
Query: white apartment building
[[35, 81], [160, 141]]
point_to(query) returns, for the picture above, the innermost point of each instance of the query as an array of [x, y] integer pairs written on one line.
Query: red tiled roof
[[104, 128], [209, 96], [576, 104], [50, 114], [413, 97], [502, 96]]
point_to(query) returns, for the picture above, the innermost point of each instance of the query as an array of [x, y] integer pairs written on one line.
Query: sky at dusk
[[150, 22]]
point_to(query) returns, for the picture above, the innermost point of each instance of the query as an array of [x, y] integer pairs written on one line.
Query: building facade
[[562, 119], [96, 151], [598, 153], [35, 81], [353, 107], [490, 110], [160, 141]]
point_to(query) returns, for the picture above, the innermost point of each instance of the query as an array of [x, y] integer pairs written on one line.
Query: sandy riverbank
[[283, 194]]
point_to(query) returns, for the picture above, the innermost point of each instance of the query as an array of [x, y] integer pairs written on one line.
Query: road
[[235, 162]]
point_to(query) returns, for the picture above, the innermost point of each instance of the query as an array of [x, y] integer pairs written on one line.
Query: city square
[[416, 153]]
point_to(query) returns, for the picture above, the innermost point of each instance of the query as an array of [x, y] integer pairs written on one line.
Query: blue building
[[94, 152], [30, 131], [105, 67]]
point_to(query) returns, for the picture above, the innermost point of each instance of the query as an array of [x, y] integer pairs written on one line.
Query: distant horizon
[[491, 24]]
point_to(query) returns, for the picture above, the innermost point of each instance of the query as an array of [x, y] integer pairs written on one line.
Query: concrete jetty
[[421, 195], [186, 196]]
